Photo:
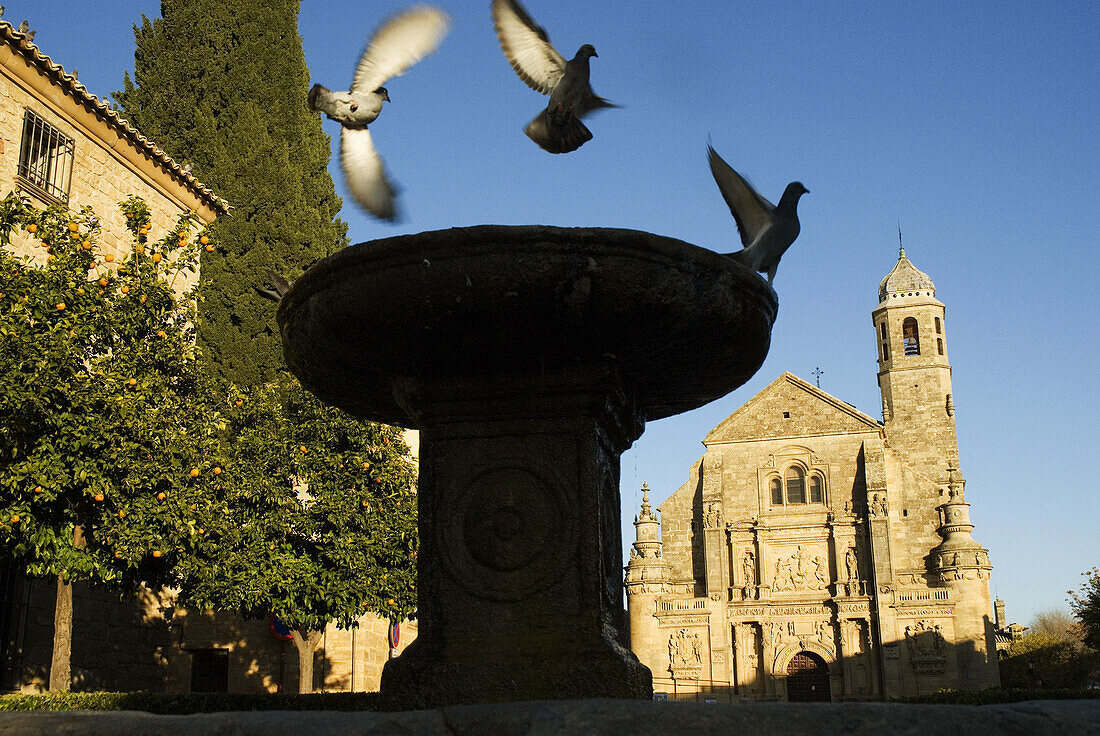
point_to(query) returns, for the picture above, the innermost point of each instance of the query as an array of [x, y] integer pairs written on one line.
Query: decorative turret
[[646, 580], [647, 571], [958, 556]]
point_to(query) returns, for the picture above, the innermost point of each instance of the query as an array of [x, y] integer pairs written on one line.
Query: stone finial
[[954, 483], [646, 509]]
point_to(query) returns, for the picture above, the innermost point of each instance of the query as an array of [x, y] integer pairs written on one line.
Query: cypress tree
[[223, 86]]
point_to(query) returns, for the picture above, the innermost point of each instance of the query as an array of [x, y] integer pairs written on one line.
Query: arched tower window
[[939, 327], [939, 344], [777, 491], [796, 485], [910, 337], [817, 489]]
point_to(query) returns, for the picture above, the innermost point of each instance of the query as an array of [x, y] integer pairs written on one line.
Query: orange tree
[[104, 448], [317, 519]]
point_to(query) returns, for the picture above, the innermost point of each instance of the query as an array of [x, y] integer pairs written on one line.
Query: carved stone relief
[[712, 514], [685, 655], [801, 570], [924, 642]]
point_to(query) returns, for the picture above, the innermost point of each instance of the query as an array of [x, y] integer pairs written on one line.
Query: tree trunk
[[306, 645], [60, 672]]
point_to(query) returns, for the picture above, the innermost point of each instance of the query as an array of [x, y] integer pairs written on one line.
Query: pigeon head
[[383, 93], [587, 51], [792, 193]]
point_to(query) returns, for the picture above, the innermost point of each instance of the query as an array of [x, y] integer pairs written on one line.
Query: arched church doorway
[[807, 679]]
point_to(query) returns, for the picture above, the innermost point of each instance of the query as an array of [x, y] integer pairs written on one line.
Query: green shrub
[[184, 703]]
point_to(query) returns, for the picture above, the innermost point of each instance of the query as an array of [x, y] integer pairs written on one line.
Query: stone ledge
[[590, 718]]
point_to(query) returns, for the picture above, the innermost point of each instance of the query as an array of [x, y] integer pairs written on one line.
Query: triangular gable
[[810, 411]]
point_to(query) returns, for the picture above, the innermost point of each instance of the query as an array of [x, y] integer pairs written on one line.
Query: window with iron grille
[[45, 159]]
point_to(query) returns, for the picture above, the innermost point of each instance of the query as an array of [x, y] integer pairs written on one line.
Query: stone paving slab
[[589, 718]]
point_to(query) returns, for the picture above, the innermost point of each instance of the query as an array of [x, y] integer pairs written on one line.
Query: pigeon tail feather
[[568, 136]]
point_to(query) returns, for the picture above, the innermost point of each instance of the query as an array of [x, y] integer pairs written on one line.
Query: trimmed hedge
[[183, 703], [998, 695]]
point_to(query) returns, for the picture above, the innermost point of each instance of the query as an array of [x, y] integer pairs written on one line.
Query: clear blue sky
[[973, 124]]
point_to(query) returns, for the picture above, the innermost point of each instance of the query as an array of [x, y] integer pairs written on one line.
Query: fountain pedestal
[[529, 358]]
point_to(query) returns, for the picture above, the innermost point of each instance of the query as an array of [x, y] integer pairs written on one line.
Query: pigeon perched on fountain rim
[[766, 230], [401, 41], [558, 128]]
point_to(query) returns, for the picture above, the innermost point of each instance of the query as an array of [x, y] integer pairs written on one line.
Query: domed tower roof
[[905, 280]]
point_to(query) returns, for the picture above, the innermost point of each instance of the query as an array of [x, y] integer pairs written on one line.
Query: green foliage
[[1085, 604], [223, 86], [1047, 661], [318, 515], [994, 696], [100, 398], [168, 704]]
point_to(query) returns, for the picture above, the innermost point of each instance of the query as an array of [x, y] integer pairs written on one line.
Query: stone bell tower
[[914, 375], [646, 580]]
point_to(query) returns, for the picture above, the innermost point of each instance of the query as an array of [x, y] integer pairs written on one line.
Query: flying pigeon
[[767, 230], [399, 43], [558, 128], [280, 286]]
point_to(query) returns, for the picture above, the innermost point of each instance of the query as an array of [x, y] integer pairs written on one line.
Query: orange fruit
[[161, 496], [141, 298], [125, 289], [194, 472], [366, 465], [391, 602], [156, 553], [60, 306], [109, 257], [118, 555], [121, 514], [73, 227], [38, 489], [366, 505], [204, 240], [303, 448], [132, 382], [86, 245], [98, 497], [210, 248], [32, 228], [238, 402], [157, 257], [103, 282], [160, 334]]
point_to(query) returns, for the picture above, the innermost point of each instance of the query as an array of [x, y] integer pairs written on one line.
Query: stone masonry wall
[[99, 179]]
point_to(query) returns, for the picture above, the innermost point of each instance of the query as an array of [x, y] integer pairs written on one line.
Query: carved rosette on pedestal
[[529, 358]]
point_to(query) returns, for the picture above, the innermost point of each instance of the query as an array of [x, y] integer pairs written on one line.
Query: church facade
[[817, 553]]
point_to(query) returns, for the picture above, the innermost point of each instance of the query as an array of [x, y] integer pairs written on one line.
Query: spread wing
[[752, 212], [403, 40], [366, 174], [527, 47]]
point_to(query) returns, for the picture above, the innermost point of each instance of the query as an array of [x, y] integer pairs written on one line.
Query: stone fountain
[[530, 359]]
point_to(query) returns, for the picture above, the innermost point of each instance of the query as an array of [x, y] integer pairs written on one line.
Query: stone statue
[[782, 579], [749, 568], [821, 573], [850, 564]]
